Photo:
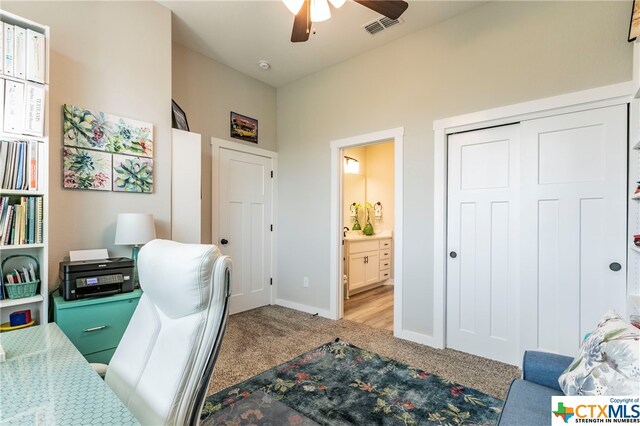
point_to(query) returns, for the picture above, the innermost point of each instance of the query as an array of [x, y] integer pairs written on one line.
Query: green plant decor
[[368, 228], [356, 223]]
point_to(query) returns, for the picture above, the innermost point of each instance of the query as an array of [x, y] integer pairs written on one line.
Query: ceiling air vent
[[381, 24]]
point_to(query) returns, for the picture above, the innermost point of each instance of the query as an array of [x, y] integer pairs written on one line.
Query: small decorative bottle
[[356, 224], [368, 228]]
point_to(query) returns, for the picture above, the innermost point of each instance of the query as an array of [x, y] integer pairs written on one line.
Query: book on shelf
[[31, 221], [6, 227], [19, 165], [39, 219], [40, 160], [3, 210], [10, 167], [18, 224], [8, 35], [1, 48], [1, 99], [21, 220], [4, 148], [35, 56], [32, 162], [13, 107], [34, 110], [20, 52]]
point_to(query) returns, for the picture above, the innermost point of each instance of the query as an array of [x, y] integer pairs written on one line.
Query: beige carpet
[[263, 338]]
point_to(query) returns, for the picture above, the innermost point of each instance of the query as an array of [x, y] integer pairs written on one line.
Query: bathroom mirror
[[372, 183]]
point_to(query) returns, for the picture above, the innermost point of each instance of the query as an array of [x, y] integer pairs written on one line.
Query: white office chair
[[162, 366]]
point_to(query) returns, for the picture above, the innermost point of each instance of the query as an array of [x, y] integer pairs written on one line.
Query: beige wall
[[374, 183], [102, 59], [496, 54], [208, 91], [380, 179]]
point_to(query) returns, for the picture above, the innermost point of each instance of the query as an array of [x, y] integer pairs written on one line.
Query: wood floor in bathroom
[[372, 307]]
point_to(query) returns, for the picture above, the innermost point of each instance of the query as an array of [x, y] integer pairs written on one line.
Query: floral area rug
[[341, 384]]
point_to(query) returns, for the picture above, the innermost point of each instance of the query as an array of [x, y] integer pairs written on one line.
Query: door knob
[[615, 266], [453, 254], [224, 241]]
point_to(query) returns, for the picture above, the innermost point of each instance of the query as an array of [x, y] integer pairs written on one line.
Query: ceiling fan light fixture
[[320, 10], [338, 3], [294, 6]]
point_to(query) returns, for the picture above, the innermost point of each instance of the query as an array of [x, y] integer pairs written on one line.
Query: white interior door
[[246, 190], [574, 171], [483, 243]]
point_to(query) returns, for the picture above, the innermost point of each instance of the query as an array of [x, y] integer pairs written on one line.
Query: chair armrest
[[544, 368]]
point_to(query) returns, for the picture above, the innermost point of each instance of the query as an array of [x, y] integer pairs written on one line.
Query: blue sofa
[[528, 401]]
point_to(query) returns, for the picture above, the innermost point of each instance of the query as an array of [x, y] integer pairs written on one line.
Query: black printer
[[94, 278]]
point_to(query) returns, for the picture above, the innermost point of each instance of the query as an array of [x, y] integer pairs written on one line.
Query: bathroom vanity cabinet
[[367, 262]]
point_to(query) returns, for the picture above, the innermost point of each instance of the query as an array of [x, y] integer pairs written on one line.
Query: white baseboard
[[303, 308], [423, 339]]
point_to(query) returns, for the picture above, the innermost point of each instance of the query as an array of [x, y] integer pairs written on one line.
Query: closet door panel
[[573, 225]]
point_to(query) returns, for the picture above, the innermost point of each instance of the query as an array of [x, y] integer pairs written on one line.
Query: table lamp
[[135, 229]]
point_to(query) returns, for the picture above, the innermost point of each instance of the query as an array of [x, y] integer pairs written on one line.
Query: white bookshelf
[[38, 304]]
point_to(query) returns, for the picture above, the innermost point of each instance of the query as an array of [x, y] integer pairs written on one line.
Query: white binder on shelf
[[1, 48], [35, 57], [1, 104], [13, 107], [7, 34], [34, 110], [20, 52]]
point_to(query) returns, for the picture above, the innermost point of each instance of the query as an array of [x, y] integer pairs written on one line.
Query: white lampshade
[[293, 5], [320, 10], [135, 228], [338, 3]]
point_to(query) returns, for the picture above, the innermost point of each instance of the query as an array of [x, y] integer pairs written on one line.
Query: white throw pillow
[[608, 362]]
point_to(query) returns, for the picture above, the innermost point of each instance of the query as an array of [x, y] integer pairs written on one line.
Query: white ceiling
[[240, 33]]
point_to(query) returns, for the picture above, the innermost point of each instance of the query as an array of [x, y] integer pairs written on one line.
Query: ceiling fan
[[309, 11]]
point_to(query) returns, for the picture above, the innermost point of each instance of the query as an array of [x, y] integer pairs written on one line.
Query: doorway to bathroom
[[366, 224], [367, 219]]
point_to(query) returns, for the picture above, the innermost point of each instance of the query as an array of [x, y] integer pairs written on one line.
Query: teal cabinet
[[95, 326]]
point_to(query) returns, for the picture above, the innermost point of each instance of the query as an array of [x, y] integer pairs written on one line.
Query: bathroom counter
[[361, 237]]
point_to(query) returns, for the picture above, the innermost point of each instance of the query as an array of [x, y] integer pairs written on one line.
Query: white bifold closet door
[[483, 225], [536, 232], [574, 245]]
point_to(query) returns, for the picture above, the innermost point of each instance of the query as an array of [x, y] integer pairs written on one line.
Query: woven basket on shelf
[[20, 290]]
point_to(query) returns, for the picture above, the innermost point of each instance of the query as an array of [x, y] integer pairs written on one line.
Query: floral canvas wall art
[[132, 174], [84, 128], [86, 169]]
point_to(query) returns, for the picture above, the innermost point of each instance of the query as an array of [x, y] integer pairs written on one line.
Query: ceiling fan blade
[[301, 24], [392, 9]]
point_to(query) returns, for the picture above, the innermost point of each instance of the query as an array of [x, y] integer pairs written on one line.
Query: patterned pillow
[[608, 362]]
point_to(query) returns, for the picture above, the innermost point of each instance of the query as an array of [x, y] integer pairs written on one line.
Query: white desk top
[[45, 380]]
